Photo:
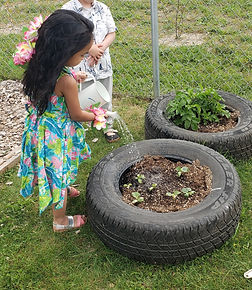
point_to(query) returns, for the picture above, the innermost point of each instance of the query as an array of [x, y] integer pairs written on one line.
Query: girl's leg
[[59, 215], [60, 219]]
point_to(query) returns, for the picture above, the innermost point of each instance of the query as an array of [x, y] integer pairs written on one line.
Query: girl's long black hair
[[63, 34]]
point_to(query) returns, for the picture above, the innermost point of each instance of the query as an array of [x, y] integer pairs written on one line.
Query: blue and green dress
[[53, 146]]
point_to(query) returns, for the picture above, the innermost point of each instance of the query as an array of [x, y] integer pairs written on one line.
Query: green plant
[[140, 178], [127, 185], [137, 196], [181, 170], [190, 107], [174, 194], [187, 191], [154, 185]]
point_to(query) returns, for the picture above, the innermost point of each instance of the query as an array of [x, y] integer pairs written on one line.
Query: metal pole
[[155, 47]]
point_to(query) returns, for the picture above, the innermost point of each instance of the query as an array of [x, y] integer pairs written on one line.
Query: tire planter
[[236, 141], [163, 237]]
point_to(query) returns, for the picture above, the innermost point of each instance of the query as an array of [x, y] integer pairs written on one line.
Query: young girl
[[53, 141]]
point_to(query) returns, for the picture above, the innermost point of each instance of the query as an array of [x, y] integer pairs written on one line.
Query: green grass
[[223, 61], [33, 257]]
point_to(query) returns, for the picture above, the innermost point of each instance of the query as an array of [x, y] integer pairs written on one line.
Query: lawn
[[33, 257], [222, 60]]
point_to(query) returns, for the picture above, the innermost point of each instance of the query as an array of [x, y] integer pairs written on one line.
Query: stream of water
[[124, 129], [127, 136]]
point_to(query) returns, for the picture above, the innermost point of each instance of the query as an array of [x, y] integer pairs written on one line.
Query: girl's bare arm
[[67, 87]]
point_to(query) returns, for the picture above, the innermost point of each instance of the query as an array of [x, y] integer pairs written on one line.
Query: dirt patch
[[185, 39], [10, 28], [223, 125], [158, 183], [12, 101]]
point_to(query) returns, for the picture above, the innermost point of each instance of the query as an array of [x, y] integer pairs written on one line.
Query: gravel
[[12, 114]]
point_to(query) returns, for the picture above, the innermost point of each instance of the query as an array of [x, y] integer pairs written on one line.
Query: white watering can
[[93, 94]]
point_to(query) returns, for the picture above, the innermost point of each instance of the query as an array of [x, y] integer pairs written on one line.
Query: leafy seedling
[[127, 185], [140, 178], [180, 170], [137, 196], [187, 191], [174, 194], [192, 107], [153, 186]]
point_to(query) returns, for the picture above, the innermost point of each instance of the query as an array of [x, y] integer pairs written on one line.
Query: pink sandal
[[72, 192], [80, 220]]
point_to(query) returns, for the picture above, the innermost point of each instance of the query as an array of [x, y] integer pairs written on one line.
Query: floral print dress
[[53, 146]]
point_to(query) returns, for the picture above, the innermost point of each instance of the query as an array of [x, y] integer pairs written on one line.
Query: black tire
[[163, 237], [237, 142]]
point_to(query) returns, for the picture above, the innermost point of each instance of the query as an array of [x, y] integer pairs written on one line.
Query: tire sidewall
[[165, 128], [103, 185]]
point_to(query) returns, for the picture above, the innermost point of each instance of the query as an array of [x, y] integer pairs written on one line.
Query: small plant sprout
[[181, 170], [137, 196], [127, 185], [174, 194], [154, 185], [140, 178], [187, 191]]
